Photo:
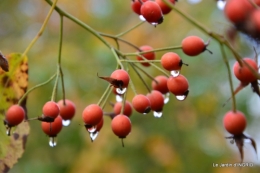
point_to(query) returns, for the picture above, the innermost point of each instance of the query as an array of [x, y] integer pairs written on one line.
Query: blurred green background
[[188, 138]]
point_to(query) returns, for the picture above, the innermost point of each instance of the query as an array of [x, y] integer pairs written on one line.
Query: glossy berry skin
[[244, 74], [255, 19], [171, 61], [51, 109], [136, 6], [237, 10], [127, 109], [68, 110], [178, 85], [141, 103], [164, 7], [148, 56], [121, 125], [92, 115], [234, 122], [52, 129], [193, 45], [161, 85], [152, 12], [100, 125], [156, 100], [121, 75], [14, 115]]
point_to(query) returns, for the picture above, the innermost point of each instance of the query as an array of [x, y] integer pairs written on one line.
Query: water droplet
[[119, 98], [66, 122], [92, 129], [194, 1], [141, 17], [175, 73], [121, 90], [221, 5], [154, 24], [8, 131], [52, 142], [157, 114], [166, 98], [182, 97], [93, 135]]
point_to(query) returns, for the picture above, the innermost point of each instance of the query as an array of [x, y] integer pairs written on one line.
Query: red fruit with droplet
[[127, 109], [152, 12], [121, 125], [136, 6], [14, 115], [193, 45], [121, 75], [171, 61], [92, 115], [51, 109], [178, 85], [161, 84], [53, 128], [148, 56], [243, 73], [164, 7], [68, 110], [156, 100], [141, 103], [237, 10], [234, 122]]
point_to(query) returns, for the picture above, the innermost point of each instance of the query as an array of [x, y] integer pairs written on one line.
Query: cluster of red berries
[[245, 15], [152, 11]]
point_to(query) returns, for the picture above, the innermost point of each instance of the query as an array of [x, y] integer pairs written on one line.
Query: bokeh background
[[188, 138]]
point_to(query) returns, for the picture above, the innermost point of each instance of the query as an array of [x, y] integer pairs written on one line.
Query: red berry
[[53, 128], [152, 12], [148, 56], [92, 115], [234, 122], [141, 103], [171, 61], [136, 6], [244, 74], [156, 100], [121, 125], [68, 110], [193, 45], [127, 111], [121, 75], [100, 125], [161, 85], [164, 7], [237, 10], [255, 20], [178, 85], [14, 115], [51, 109]]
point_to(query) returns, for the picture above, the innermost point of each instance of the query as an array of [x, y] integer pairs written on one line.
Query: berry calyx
[[161, 84], [122, 77], [51, 109], [127, 108], [14, 115], [243, 73], [148, 55], [68, 110], [193, 45], [92, 115], [152, 12], [53, 128], [141, 103], [234, 122], [178, 85], [121, 125]]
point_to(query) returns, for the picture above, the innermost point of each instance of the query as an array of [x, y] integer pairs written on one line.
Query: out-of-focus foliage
[[188, 138]]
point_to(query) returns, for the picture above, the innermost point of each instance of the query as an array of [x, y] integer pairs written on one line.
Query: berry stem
[[117, 58], [147, 74], [130, 29], [103, 95], [229, 77], [55, 87], [35, 87], [139, 61], [106, 98], [132, 87], [154, 50]]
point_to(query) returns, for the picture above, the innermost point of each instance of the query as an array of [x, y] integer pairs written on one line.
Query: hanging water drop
[[93, 135], [8, 131], [175, 73], [92, 129], [166, 98], [182, 97], [66, 122], [52, 142], [141, 17], [119, 98], [121, 90], [157, 114], [221, 5]]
